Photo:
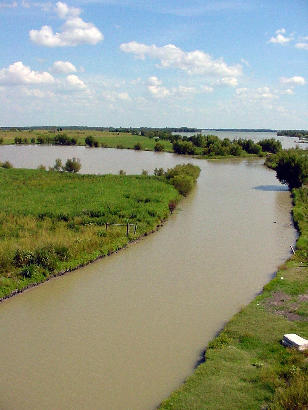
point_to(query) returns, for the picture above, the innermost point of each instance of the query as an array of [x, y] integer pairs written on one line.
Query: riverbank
[[245, 365], [52, 222]]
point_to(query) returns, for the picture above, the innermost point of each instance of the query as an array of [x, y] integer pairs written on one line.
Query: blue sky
[[197, 63]]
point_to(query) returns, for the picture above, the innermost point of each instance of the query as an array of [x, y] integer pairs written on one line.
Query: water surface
[[125, 331]]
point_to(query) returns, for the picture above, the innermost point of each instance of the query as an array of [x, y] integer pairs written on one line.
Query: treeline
[[211, 145], [294, 133]]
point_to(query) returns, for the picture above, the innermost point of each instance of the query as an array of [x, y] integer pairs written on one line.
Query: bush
[[138, 146], [7, 165], [89, 141], [121, 172], [23, 258], [159, 172], [46, 257], [144, 172], [159, 147], [72, 165], [270, 145], [183, 183], [184, 147], [41, 167], [1, 140]]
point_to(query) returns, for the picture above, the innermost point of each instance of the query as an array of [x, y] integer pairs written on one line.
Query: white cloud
[[18, 73], [288, 91], [34, 92], [303, 46], [261, 93], [114, 96], [63, 10], [230, 81], [64, 67], [11, 5], [296, 80], [75, 31], [193, 62], [207, 89], [280, 38], [156, 89], [75, 83]]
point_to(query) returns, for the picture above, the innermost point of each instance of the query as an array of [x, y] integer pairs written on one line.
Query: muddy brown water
[[125, 331]]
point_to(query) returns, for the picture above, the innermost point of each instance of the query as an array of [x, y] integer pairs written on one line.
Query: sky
[[162, 63]]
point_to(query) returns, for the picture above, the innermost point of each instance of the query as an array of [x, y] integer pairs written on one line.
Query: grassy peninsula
[[246, 367], [51, 222]]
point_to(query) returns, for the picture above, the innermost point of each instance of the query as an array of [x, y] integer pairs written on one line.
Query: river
[[125, 331]]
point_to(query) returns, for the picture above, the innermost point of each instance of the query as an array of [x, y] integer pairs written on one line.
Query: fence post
[[127, 229]]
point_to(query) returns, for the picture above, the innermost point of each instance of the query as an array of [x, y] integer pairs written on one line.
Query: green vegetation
[[209, 146], [294, 133], [246, 367], [291, 167], [51, 222]]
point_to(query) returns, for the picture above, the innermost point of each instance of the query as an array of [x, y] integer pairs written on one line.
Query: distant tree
[[292, 167], [7, 165], [122, 172], [41, 167], [58, 165], [72, 165], [159, 172]]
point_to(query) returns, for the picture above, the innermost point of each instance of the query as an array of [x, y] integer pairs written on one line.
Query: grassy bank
[[246, 367], [103, 138], [53, 221]]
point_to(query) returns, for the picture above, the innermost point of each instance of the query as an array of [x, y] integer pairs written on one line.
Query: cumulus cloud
[[296, 80], [63, 67], [18, 74], [280, 37], [75, 31], [193, 62], [74, 82], [114, 96]]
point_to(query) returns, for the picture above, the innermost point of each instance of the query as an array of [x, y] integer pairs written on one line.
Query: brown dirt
[[285, 305]]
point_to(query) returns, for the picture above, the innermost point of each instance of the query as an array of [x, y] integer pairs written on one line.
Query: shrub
[[32, 140], [58, 165], [95, 143], [41, 167], [184, 147], [144, 172], [235, 150], [1, 140], [46, 257], [120, 146], [138, 146], [121, 172], [183, 183], [23, 258], [7, 165], [89, 141], [270, 145], [72, 165], [159, 172], [159, 147]]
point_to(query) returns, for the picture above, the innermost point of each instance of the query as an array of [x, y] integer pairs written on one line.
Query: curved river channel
[[125, 331]]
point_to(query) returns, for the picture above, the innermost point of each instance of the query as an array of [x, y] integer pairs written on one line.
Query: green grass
[[52, 221], [246, 367]]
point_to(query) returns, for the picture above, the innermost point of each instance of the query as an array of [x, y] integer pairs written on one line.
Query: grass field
[[246, 367], [109, 139], [53, 221]]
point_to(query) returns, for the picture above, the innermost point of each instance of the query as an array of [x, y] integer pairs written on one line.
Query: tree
[[292, 168]]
